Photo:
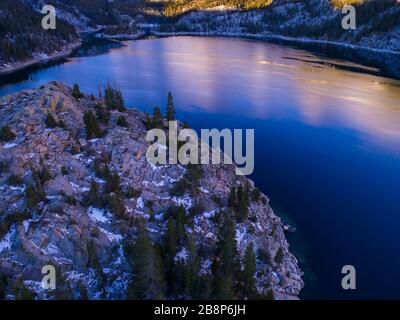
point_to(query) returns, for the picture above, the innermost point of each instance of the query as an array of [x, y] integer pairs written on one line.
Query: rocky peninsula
[[77, 193]]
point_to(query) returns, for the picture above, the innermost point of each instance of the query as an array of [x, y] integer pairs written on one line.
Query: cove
[[327, 139]]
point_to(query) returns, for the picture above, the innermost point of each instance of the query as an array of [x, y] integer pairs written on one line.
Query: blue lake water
[[327, 140]]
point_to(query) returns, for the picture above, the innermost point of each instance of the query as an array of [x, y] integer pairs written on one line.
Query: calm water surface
[[327, 140]]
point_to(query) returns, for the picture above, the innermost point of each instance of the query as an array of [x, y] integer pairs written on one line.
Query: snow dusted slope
[[85, 233], [378, 23]]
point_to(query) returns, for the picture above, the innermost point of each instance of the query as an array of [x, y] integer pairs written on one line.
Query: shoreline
[[22, 65], [19, 66], [268, 36], [123, 37], [379, 61]]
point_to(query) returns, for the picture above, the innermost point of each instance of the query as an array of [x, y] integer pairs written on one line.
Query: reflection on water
[[241, 77], [327, 137]]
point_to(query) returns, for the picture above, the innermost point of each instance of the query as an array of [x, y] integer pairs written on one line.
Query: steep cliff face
[[51, 213]]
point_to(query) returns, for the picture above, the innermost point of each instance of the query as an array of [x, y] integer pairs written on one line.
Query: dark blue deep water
[[327, 143]]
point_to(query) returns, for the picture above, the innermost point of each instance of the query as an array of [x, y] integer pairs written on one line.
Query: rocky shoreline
[[65, 230], [385, 61], [21, 65], [382, 60]]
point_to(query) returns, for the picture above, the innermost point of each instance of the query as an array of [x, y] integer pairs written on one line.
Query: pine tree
[[113, 182], [122, 122], [3, 286], [170, 107], [180, 224], [192, 281], [114, 99], [222, 282], [61, 124], [31, 197], [232, 200], [6, 134], [119, 101], [157, 118], [117, 205], [106, 172], [148, 122], [279, 256], [22, 292], [103, 114], [76, 91], [148, 281], [227, 245], [94, 195], [205, 291], [50, 121], [256, 194], [226, 264], [171, 243], [248, 273], [243, 203], [92, 127]]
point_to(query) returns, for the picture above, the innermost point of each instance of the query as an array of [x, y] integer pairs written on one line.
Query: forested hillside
[[22, 35], [378, 23]]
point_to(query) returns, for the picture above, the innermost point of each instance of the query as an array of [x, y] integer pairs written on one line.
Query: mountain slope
[[22, 35], [378, 25], [84, 204]]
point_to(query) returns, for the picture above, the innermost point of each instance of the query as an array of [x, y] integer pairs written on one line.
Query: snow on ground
[[120, 258], [240, 234], [202, 189], [78, 189], [50, 250], [159, 216], [26, 224], [140, 203], [9, 145], [6, 242], [99, 215], [111, 236], [35, 286], [185, 201], [205, 266], [209, 214], [182, 255]]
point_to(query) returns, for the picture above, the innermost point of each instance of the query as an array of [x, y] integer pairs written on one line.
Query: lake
[[327, 139]]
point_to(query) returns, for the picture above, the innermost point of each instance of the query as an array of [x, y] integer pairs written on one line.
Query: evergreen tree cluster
[[171, 268], [93, 129], [174, 8], [190, 181], [21, 32], [156, 121], [312, 18], [6, 134], [76, 91], [52, 123], [239, 202], [112, 195], [170, 107], [113, 98], [34, 192]]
